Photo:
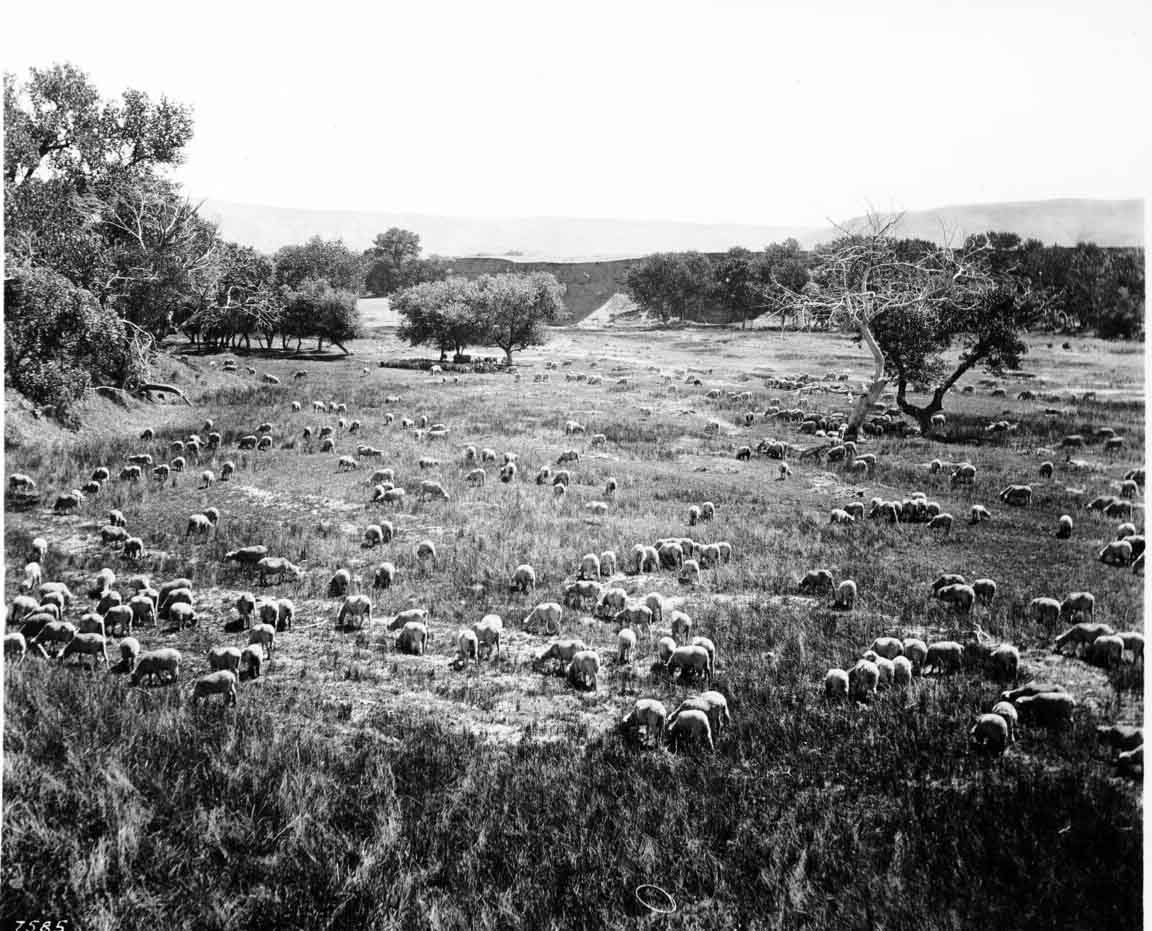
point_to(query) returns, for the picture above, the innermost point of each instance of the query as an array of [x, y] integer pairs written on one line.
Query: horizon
[[642, 113]]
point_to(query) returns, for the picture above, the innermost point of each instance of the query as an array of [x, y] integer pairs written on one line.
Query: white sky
[[781, 113]]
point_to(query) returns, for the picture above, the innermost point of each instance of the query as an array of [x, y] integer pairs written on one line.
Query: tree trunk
[[875, 389], [507, 354], [336, 342]]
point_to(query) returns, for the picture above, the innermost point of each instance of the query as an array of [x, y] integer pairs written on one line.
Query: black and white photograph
[[522, 466]]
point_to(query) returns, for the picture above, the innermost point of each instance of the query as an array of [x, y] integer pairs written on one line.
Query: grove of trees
[[507, 310]]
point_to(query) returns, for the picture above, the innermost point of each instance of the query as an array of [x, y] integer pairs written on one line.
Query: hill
[[569, 239]]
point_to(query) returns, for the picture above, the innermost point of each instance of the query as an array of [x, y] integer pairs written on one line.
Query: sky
[[782, 113]]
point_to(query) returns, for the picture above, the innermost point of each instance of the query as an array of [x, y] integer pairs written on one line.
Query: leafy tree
[[317, 309], [739, 283], [393, 262], [59, 340], [670, 284], [514, 309], [318, 259], [445, 314]]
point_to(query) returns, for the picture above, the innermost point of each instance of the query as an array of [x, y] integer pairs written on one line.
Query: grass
[[356, 787]]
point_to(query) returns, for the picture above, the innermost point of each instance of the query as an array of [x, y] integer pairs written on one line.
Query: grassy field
[[356, 787]]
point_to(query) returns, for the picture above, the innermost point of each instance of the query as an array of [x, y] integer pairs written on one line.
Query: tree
[[918, 296], [446, 314], [738, 283], [393, 263], [670, 284], [318, 259], [317, 309], [514, 309]]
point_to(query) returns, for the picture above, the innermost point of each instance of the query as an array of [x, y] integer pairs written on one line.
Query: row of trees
[[743, 282], [508, 311]]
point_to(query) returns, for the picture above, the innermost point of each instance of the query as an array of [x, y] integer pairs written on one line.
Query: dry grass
[[357, 787]]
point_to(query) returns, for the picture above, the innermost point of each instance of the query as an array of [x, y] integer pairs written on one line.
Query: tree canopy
[[393, 263]]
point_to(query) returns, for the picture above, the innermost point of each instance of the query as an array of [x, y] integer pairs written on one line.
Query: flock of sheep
[[599, 584]]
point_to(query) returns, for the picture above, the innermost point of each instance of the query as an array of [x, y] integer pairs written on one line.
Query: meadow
[[356, 787]]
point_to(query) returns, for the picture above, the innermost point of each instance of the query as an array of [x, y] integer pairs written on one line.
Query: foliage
[[670, 284], [393, 263], [58, 340], [319, 259], [317, 309], [507, 310]]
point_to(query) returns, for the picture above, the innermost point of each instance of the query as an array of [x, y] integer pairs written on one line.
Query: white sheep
[[384, 576], [961, 597], [265, 635], [476, 477], [917, 652], [563, 650], [86, 644], [690, 660], [524, 579], [690, 725], [467, 646], [649, 714], [583, 669], [888, 647], [413, 638], [589, 566], [358, 606], [216, 683], [488, 630], [944, 656], [155, 664], [836, 683], [1004, 662], [377, 534], [224, 658], [846, 594], [425, 550], [1007, 711], [547, 614], [1082, 603], [990, 734], [680, 624], [1044, 610], [863, 680], [625, 645]]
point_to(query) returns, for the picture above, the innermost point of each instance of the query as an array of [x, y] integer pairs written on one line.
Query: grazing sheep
[[279, 567], [547, 613], [488, 630], [216, 683], [377, 534], [589, 566], [961, 597], [508, 473], [68, 502], [265, 635], [649, 714], [467, 646], [156, 664], [846, 594], [680, 624], [476, 477], [523, 579], [347, 464], [1083, 603], [339, 584], [562, 650], [426, 549], [413, 638], [384, 576], [990, 734], [21, 483], [693, 515], [1016, 495], [635, 615], [836, 684], [863, 680], [964, 474], [887, 647], [1117, 553], [690, 725], [1106, 651], [1049, 710], [224, 658], [183, 614], [941, 521], [583, 669], [1004, 663], [433, 490], [355, 606], [944, 656], [38, 549], [199, 525], [625, 646], [985, 590], [689, 573], [1133, 643], [815, 581], [840, 516], [690, 660]]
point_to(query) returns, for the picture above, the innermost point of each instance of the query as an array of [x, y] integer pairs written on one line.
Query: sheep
[[358, 606], [108, 600], [692, 660], [426, 549], [413, 638], [689, 573], [247, 556], [1133, 643], [1129, 489], [155, 664], [1049, 710], [508, 473], [21, 607], [846, 593], [1116, 553], [347, 464], [863, 680], [625, 646], [941, 521], [573, 426], [944, 656], [467, 646], [384, 576], [680, 625], [691, 725], [1106, 650], [1016, 495], [548, 613], [265, 635], [1083, 603], [836, 684], [612, 601], [1045, 611], [964, 474], [887, 647], [476, 477], [645, 559], [339, 584], [562, 650], [21, 483], [224, 658], [523, 579], [279, 567], [143, 610], [961, 597], [377, 534], [583, 669], [433, 490], [217, 683], [634, 615], [183, 614], [488, 630], [68, 502], [990, 734], [840, 516], [1004, 663], [649, 714], [198, 524]]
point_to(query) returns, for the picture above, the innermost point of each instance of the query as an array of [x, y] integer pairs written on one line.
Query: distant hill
[[560, 239], [533, 239], [1054, 222]]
